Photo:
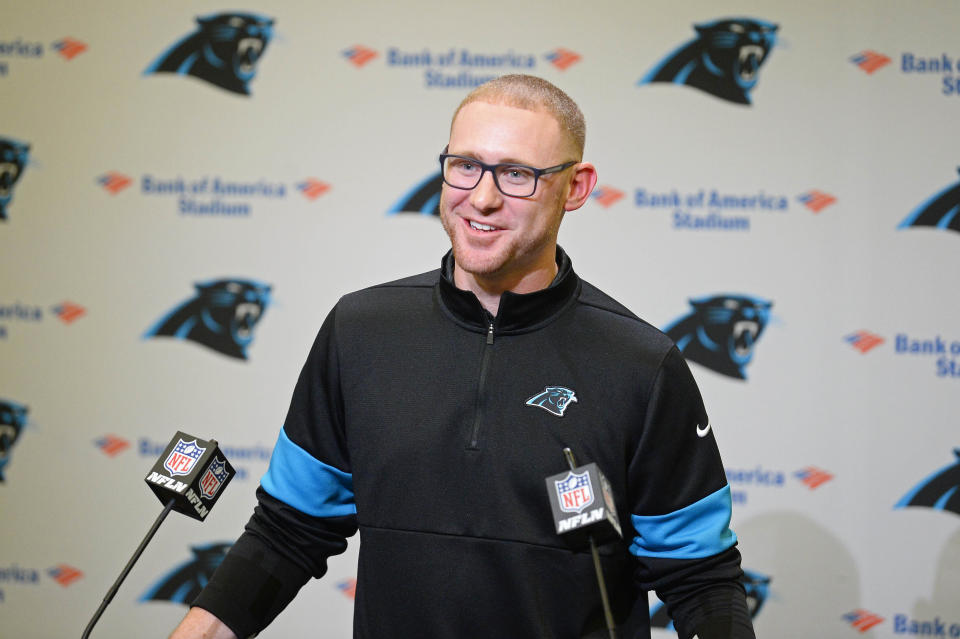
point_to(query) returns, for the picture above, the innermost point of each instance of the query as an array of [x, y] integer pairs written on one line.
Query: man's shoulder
[[390, 293], [421, 280], [619, 317]]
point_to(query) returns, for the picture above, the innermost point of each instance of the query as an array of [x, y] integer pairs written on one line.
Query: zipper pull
[[490, 334]]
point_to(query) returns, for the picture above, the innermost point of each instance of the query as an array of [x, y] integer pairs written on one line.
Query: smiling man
[[501, 358]]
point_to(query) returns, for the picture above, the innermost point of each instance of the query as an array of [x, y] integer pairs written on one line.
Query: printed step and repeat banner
[[187, 188]]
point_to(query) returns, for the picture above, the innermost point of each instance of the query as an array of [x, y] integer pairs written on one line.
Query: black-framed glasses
[[515, 180]]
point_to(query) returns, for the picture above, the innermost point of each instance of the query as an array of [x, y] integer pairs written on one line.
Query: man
[[414, 419]]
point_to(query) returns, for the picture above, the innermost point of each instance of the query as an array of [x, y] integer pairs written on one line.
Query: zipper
[[481, 383]]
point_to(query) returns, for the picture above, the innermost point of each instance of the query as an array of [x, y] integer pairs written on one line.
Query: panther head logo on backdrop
[[757, 589], [939, 491], [221, 316], [424, 198], [13, 419], [13, 159], [942, 211], [721, 332], [224, 50], [183, 583], [724, 60]]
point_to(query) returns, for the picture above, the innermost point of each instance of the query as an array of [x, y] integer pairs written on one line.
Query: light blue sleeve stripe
[[700, 530], [297, 478]]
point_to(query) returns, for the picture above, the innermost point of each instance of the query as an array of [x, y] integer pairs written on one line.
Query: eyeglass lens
[[513, 180]]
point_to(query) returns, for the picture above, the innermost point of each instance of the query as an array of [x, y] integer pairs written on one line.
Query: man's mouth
[[477, 226]]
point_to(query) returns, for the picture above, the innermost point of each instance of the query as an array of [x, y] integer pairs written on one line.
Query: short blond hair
[[533, 94]]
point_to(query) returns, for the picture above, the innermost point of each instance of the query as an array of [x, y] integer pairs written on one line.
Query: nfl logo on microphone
[[575, 492], [582, 503], [213, 479], [183, 457]]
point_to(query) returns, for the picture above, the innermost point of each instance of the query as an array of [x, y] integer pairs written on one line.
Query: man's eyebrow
[[476, 156]]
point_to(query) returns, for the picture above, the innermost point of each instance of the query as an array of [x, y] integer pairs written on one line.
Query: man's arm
[[200, 624], [681, 511], [305, 508]]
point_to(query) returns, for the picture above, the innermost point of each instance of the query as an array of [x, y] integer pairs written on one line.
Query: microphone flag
[[582, 503], [191, 471]]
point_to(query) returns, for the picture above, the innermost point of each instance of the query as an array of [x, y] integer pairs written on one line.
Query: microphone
[[582, 504], [583, 510], [192, 472], [189, 477]]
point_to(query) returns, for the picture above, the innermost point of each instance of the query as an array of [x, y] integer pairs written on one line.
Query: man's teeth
[[481, 227]]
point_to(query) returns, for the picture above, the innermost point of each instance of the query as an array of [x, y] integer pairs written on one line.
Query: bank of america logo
[[863, 620], [312, 188], [864, 341], [348, 587], [358, 55], [562, 58], [68, 312], [813, 477], [869, 61], [64, 574], [114, 182], [68, 48], [816, 200], [111, 445], [606, 196]]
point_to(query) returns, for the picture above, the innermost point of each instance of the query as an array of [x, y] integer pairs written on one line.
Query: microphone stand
[[604, 599], [126, 570]]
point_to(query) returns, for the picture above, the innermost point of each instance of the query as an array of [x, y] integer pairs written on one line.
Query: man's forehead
[[504, 130]]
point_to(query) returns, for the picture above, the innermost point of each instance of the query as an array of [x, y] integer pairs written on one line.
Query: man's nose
[[485, 195]]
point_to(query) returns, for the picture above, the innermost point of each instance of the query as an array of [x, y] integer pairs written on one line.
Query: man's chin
[[479, 263]]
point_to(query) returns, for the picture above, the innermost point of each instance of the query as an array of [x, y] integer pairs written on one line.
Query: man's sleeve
[[305, 507], [681, 509]]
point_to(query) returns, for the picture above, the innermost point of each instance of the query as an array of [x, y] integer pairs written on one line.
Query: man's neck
[[488, 289]]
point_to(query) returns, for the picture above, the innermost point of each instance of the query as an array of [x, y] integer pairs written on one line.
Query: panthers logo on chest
[[724, 59], [221, 316], [553, 399], [224, 51], [721, 332]]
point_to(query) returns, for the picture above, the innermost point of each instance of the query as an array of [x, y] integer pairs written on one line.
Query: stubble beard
[[513, 257]]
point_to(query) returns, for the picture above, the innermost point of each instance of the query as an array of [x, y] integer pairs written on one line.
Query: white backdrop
[[877, 422]]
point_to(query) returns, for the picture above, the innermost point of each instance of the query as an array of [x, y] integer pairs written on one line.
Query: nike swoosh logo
[[702, 432]]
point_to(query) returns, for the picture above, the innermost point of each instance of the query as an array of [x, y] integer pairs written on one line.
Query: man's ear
[[581, 186]]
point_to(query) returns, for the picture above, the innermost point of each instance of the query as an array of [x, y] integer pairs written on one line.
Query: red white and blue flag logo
[[69, 48], [183, 457], [213, 479], [312, 188], [574, 492], [358, 55], [562, 58], [812, 477], [606, 195], [863, 620], [869, 61], [864, 341], [816, 200], [114, 182]]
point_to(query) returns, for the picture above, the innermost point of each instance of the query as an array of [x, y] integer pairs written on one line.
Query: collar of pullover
[[517, 312]]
